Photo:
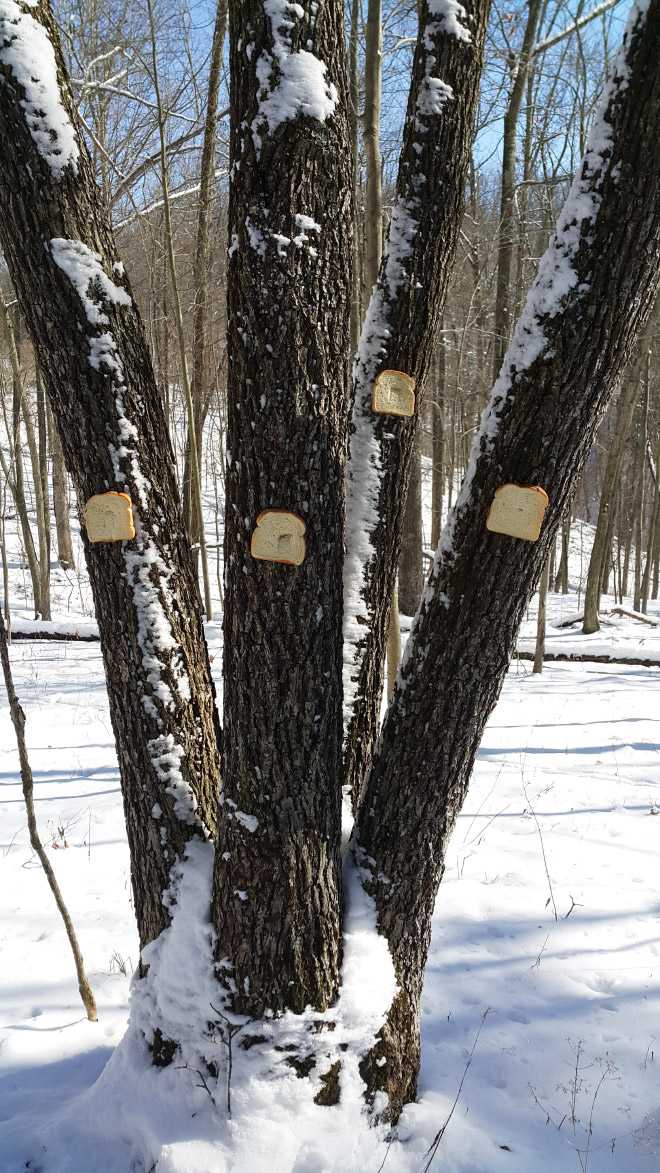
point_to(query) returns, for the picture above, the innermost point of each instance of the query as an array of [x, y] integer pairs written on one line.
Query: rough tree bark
[[289, 299], [91, 347], [399, 332], [594, 291]]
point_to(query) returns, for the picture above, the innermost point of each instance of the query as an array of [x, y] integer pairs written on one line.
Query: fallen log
[[581, 659]]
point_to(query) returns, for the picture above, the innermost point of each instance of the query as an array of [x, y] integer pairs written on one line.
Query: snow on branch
[[28, 53], [290, 83], [573, 27]]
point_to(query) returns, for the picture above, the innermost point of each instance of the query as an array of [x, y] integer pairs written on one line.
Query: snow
[[432, 98], [27, 51], [568, 762], [449, 15], [300, 85], [84, 267]]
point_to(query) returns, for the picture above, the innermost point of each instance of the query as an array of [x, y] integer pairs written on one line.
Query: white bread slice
[[393, 394], [278, 537], [109, 518], [518, 510]]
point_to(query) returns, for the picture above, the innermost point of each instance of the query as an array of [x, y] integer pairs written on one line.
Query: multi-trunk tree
[[594, 291], [276, 902]]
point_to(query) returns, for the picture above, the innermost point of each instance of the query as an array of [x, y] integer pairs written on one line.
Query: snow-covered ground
[[562, 817], [562, 820], [545, 948]]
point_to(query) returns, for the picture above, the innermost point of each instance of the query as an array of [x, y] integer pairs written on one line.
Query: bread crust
[[123, 519], [517, 511], [262, 545]]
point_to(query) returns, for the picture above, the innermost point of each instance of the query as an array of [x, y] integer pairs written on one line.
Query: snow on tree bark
[[277, 888], [92, 352], [399, 332], [595, 289]]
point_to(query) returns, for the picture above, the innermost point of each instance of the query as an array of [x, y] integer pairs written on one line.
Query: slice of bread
[[517, 510], [109, 518], [394, 394], [278, 537]]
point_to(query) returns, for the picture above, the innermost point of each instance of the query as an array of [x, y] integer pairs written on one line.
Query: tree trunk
[[411, 573], [652, 532], [566, 356], [43, 516], [399, 332], [640, 495], [519, 69], [91, 348], [14, 470], [600, 548], [201, 367], [195, 471], [373, 213], [438, 418], [60, 500], [290, 288], [354, 123], [561, 581], [540, 626]]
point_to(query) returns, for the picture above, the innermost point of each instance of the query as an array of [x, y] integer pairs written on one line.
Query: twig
[[538, 959], [435, 1144], [574, 904], [204, 1084], [18, 721], [231, 1030], [538, 828]]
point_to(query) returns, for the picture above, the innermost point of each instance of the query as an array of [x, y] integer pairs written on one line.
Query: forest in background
[[543, 74]]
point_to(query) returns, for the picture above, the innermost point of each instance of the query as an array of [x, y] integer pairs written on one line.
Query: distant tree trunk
[[438, 418], [92, 351], [538, 430], [561, 581], [652, 534], [411, 572], [43, 518], [519, 70], [656, 560], [60, 499], [373, 218], [601, 547], [540, 625], [354, 123], [399, 332], [640, 496], [393, 643], [13, 471], [178, 318], [201, 365], [290, 289]]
